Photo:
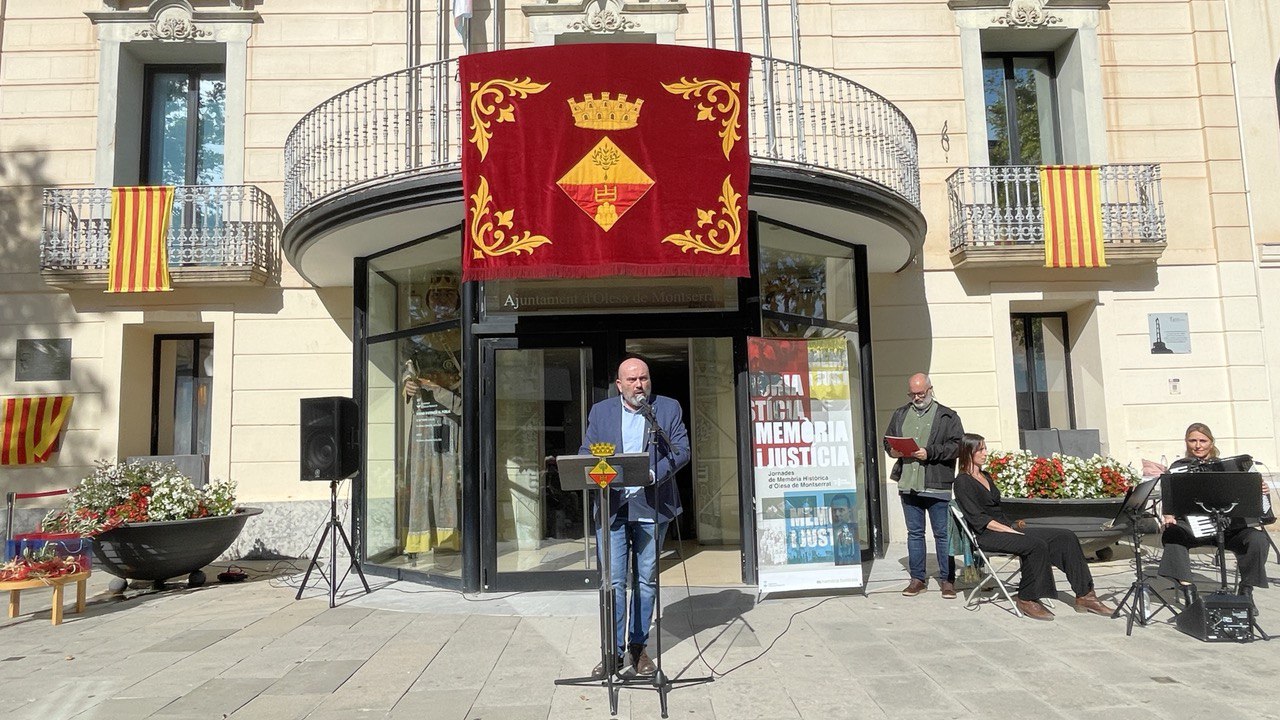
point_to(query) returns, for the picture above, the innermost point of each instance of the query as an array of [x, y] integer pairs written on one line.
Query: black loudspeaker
[[1218, 617], [330, 438]]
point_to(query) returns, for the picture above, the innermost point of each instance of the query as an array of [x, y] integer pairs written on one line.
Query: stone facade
[[1154, 82]]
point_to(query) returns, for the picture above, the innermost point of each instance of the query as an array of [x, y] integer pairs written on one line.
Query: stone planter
[[158, 551], [1085, 518]]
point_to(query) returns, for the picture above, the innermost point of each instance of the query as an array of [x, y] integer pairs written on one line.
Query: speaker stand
[[332, 531]]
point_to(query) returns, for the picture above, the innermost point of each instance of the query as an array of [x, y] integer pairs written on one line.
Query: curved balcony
[[807, 126], [218, 234]]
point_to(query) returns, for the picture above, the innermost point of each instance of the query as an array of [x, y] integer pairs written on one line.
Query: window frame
[[194, 73], [1028, 352], [1011, 115], [197, 339]]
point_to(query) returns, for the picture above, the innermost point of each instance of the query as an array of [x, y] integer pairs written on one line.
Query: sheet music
[[1201, 525]]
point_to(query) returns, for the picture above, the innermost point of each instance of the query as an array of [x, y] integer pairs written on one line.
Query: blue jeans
[[915, 507], [640, 542]]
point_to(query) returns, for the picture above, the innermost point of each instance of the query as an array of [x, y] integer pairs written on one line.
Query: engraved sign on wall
[[43, 360], [1170, 333]]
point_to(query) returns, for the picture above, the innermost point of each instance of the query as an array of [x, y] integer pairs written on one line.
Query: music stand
[[1135, 602], [628, 470]]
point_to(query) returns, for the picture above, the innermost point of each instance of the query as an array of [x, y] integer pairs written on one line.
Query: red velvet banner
[[614, 159]]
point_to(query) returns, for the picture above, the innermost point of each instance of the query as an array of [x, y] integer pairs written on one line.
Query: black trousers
[[1249, 544], [1040, 548]]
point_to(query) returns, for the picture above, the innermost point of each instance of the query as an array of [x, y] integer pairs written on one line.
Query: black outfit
[[942, 448], [1248, 543], [1037, 547]]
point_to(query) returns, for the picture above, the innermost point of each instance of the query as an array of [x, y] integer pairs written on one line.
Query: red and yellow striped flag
[[1071, 197], [31, 427], [139, 260]]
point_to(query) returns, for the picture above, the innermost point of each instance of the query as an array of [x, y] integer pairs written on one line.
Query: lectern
[[597, 474]]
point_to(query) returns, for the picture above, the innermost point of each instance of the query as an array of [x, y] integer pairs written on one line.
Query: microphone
[[643, 404]]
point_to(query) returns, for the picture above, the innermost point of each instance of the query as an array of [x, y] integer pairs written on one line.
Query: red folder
[[904, 445]]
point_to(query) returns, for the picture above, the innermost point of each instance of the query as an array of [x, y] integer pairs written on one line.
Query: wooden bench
[[16, 587]]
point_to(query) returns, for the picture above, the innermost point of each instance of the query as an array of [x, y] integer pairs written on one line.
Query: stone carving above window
[[551, 18], [173, 23], [176, 20], [605, 17], [1027, 14], [124, 4]]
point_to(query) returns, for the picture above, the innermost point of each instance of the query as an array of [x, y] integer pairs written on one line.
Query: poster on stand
[[803, 450]]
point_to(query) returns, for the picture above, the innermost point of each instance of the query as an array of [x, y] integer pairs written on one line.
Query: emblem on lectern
[[603, 473]]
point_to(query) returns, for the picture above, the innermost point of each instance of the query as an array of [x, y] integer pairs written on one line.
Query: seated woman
[[1038, 548], [1249, 544]]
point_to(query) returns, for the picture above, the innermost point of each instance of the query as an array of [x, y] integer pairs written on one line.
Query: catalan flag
[[31, 428], [139, 260], [1071, 197]]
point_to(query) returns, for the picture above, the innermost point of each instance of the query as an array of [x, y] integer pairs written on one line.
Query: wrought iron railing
[[410, 121], [1000, 205], [212, 226]]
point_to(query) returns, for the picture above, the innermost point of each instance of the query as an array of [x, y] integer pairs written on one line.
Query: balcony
[[356, 164], [997, 219], [218, 234]]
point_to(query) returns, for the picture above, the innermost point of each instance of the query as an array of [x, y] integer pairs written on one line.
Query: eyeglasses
[[924, 393]]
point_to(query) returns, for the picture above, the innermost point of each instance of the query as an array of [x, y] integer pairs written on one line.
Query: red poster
[[612, 159]]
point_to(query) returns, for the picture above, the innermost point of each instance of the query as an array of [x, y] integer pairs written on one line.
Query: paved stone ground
[[250, 650]]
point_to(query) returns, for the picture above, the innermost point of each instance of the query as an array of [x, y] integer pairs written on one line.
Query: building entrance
[[536, 535]]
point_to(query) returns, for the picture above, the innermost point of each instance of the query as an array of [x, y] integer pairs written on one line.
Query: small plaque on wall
[[1169, 333], [43, 360]]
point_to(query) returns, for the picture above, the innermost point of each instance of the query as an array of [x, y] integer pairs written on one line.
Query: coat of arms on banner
[[594, 160]]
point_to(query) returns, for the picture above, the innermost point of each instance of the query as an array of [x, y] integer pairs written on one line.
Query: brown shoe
[[914, 588], [1089, 602], [1033, 609], [948, 590], [643, 664], [597, 673]]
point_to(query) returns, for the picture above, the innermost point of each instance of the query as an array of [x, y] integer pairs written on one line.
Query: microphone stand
[[660, 681]]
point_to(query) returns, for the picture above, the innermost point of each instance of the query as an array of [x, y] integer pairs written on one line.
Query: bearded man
[[925, 477]]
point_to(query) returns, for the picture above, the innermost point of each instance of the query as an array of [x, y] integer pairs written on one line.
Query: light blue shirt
[[635, 439]]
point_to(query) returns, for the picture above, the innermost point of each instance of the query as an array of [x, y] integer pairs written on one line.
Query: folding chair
[[982, 561]]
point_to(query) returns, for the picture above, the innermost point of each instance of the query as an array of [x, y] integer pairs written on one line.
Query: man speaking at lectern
[[639, 515]]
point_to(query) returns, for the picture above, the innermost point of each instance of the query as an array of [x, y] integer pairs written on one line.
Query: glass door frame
[[491, 579], [608, 345]]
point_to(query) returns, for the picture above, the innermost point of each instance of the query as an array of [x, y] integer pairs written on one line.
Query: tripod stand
[[1135, 602], [332, 531], [616, 677], [598, 474]]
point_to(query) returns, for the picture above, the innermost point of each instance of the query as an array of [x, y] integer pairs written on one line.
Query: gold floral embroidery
[[722, 98], [729, 221], [495, 97], [483, 228]]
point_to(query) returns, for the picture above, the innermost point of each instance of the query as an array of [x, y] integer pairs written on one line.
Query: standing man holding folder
[[924, 435]]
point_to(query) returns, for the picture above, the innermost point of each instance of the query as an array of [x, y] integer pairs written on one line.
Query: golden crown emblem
[[606, 113], [602, 449]]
